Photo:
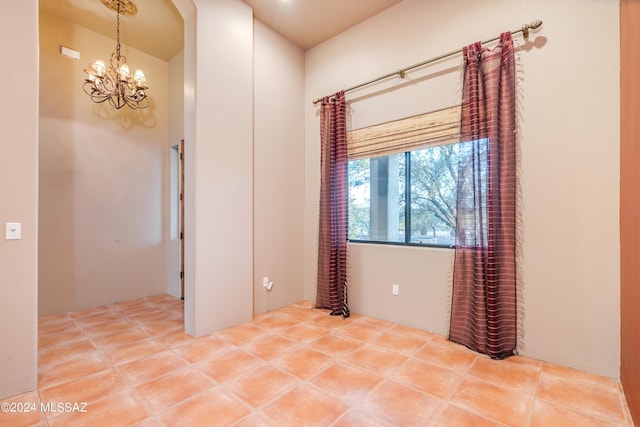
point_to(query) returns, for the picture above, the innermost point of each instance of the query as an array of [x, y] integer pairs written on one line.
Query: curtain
[[332, 233], [484, 294]]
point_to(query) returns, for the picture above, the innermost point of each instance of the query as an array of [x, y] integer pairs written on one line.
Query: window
[[402, 180], [379, 188]]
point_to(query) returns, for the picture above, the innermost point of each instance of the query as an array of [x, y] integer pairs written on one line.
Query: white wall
[[218, 164], [278, 169], [18, 198], [103, 214], [569, 133], [176, 133]]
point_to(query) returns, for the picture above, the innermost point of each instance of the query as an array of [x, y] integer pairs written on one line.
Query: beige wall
[[18, 197], [278, 170], [103, 179], [569, 103]]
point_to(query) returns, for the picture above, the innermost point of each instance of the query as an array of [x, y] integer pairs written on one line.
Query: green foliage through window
[[380, 187]]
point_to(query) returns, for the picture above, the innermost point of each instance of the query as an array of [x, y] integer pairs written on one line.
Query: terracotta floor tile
[[300, 313], [305, 406], [581, 396], [161, 327], [331, 323], [401, 406], [304, 362], [163, 299], [413, 332], [61, 338], [85, 389], [173, 388], [119, 338], [358, 418], [27, 407], [402, 344], [126, 305], [202, 348], [120, 409], [500, 372], [149, 422], [302, 333], [296, 365], [138, 309], [64, 352], [452, 356], [174, 337], [262, 385], [453, 416], [177, 311], [214, 407], [227, 364], [304, 303], [274, 321], [55, 327], [378, 323], [255, 419], [500, 404], [91, 311], [150, 316], [346, 382], [576, 375], [378, 360], [241, 334], [54, 318], [431, 379], [269, 346], [546, 414], [523, 360], [362, 331], [336, 345], [144, 370], [133, 351], [111, 327], [90, 363], [98, 319]]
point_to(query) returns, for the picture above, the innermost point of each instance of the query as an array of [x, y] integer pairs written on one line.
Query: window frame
[[407, 213]]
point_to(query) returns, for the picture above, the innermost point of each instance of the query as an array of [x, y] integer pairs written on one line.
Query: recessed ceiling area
[[157, 28], [309, 22]]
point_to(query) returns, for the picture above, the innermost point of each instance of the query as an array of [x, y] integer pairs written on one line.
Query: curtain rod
[[401, 72]]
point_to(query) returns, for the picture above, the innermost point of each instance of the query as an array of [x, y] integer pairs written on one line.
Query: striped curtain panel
[[332, 234], [484, 296]]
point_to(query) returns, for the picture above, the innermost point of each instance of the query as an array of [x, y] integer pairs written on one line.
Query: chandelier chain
[[118, 31]]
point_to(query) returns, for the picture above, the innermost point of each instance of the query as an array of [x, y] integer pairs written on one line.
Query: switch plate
[[12, 231], [395, 289]]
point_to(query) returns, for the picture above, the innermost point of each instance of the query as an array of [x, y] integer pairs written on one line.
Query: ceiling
[[157, 28]]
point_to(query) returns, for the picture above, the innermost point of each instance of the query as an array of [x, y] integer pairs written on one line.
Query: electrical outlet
[[395, 289], [12, 231], [265, 281]]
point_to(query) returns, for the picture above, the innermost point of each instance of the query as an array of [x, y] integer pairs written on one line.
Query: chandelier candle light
[[114, 83]]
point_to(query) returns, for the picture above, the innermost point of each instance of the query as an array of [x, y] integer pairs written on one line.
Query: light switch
[[12, 231]]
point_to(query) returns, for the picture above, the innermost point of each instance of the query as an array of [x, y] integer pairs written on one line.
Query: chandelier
[[114, 83]]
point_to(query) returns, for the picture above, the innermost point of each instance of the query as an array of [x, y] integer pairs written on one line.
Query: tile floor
[[132, 365]]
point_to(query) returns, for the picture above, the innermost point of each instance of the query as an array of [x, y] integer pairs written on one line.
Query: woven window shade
[[412, 133]]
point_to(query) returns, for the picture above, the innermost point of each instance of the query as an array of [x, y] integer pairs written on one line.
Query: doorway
[[175, 282]]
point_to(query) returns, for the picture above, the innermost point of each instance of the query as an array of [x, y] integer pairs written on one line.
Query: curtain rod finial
[[535, 24]]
